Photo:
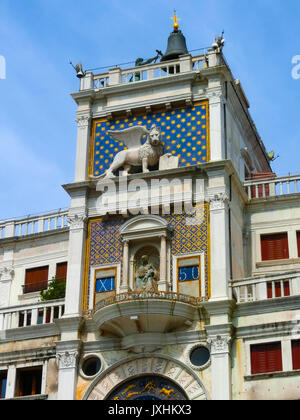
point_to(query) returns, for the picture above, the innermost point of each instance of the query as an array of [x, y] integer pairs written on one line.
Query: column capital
[[77, 221], [68, 359], [219, 201], [220, 344], [83, 121], [6, 273]]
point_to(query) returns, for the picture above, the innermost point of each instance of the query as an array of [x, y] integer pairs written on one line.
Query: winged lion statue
[[137, 154]]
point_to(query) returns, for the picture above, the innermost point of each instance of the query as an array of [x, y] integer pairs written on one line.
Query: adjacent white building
[[161, 302]]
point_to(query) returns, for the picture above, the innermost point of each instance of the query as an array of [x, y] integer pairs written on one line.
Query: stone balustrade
[[34, 224], [31, 314], [272, 286], [118, 76], [262, 188]]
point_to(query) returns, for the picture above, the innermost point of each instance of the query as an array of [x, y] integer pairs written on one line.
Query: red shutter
[[296, 354], [61, 271], [36, 279], [298, 242], [266, 358], [275, 247]]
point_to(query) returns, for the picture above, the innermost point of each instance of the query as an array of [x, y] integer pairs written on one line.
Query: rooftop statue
[[137, 154]]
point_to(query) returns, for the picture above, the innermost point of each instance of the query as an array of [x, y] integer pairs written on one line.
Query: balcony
[[133, 313], [274, 187], [31, 315], [34, 224], [266, 287]]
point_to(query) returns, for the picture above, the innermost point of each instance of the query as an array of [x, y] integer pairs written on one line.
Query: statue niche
[[147, 270]]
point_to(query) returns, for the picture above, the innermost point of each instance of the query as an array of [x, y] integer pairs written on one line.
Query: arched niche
[[142, 232]]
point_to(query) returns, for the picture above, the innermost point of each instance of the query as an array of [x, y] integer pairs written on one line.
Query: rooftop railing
[[117, 76], [34, 224]]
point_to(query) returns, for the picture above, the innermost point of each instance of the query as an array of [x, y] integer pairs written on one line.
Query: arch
[[144, 226], [146, 365]]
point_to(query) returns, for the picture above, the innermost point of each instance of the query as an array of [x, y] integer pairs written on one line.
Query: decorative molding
[[146, 364], [6, 273], [77, 221], [219, 344], [219, 201], [83, 121], [68, 359]]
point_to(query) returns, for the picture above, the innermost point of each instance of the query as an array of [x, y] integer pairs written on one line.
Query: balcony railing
[[34, 224], [131, 296], [29, 315], [266, 287], [39, 286], [117, 76], [262, 188]]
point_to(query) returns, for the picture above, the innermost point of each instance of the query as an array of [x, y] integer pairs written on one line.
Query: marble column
[[163, 264], [220, 247], [125, 280], [220, 367], [67, 358], [76, 256], [83, 143]]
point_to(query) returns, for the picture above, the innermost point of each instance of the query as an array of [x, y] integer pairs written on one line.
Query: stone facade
[[216, 297]]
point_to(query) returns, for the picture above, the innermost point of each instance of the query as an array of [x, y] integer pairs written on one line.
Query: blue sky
[[37, 114]]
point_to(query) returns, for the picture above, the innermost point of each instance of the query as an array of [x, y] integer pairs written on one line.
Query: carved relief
[[140, 369], [219, 344], [219, 201], [77, 221], [67, 359]]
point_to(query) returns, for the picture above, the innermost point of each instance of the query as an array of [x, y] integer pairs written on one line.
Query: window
[[266, 358], [36, 279], [3, 381], [296, 354], [29, 382], [274, 247], [61, 271], [298, 243]]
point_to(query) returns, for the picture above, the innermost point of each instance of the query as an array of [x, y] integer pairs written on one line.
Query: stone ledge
[[264, 376]]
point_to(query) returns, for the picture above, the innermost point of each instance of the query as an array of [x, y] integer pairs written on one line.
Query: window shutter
[[36, 279], [296, 354], [298, 242], [61, 271], [266, 358], [275, 247]]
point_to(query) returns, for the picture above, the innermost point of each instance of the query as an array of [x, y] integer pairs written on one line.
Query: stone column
[[76, 256], [220, 367], [83, 143], [125, 280], [6, 277], [163, 264], [216, 113], [67, 358], [220, 247], [11, 382]]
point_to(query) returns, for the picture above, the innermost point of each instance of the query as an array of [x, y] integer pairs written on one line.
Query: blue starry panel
[[185, 133]]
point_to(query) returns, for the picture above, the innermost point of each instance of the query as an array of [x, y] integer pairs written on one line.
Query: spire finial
[[175, 18]]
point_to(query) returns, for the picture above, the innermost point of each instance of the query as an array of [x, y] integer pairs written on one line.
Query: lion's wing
[[131, 137]]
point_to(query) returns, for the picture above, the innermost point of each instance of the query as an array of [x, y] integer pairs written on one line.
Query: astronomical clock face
[[148, 388]]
